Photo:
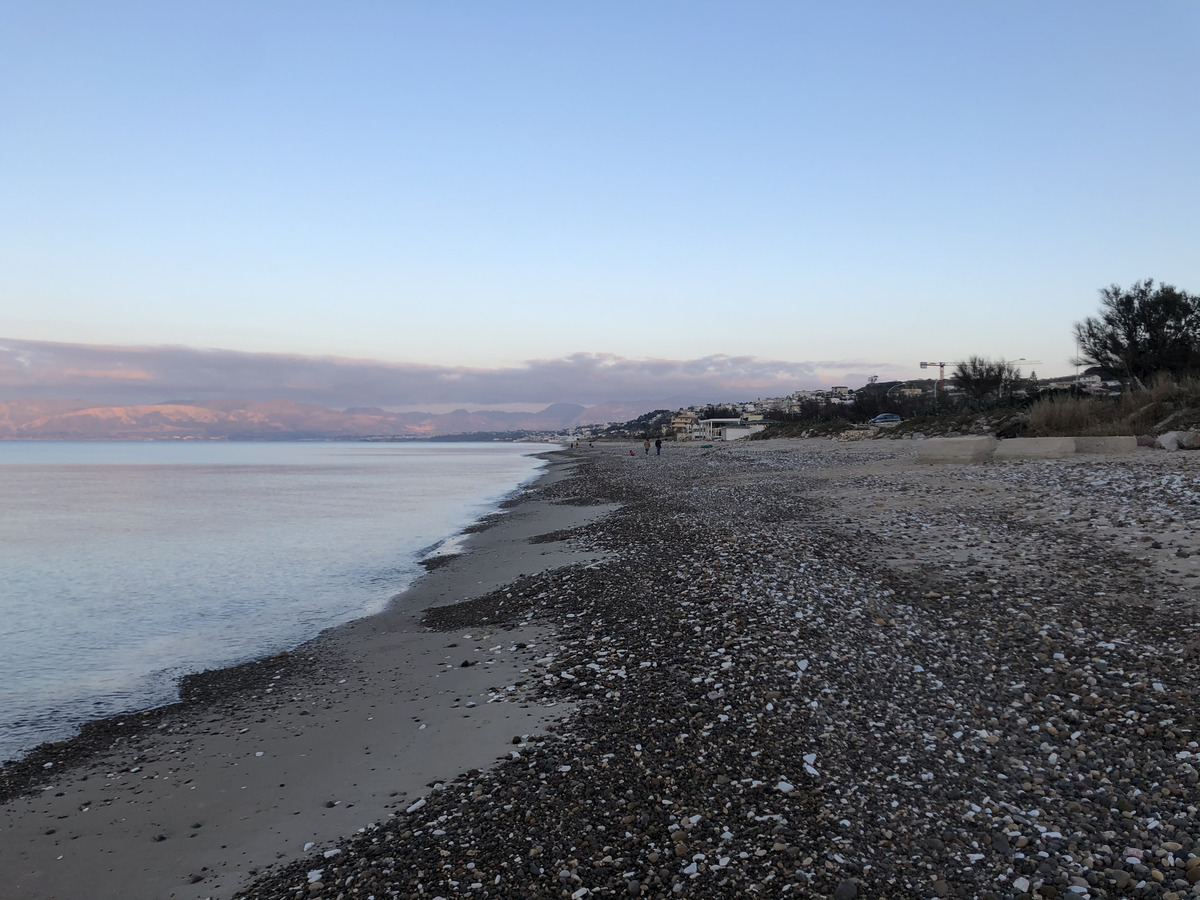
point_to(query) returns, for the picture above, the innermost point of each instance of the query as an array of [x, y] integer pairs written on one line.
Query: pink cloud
[[108, 374]]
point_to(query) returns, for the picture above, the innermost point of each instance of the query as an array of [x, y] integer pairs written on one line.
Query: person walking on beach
[[647, 446], [658, 446]]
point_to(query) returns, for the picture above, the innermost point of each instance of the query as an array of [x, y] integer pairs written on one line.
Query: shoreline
[[825, 671], [130, 571], [795, 667], [257, 760], [206, 683]]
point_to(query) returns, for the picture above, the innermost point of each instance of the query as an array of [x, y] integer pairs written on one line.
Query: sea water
[[124, 566]]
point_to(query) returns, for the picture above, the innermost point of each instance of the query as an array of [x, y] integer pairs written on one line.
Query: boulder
[[956, 449], [1167, 441], [1035, 448], [1189, 440], [1145, 440]]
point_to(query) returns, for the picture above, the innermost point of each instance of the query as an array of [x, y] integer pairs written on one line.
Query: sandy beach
[[775, 668], [264, 759]]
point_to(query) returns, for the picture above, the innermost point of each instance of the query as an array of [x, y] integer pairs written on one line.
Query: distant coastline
[[282, 420]]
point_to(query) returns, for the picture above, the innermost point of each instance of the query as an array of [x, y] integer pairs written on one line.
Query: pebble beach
[[778, 668]]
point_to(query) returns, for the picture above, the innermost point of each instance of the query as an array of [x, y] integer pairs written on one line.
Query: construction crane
[[941, 374], [941, 382]]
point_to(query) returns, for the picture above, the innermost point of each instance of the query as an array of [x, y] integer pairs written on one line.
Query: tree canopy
[[985, 381], [1142, 330]]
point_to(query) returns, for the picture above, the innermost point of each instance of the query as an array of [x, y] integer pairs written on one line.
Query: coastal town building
[[729, 429], [684, 425], [737, 432], [713, 429]]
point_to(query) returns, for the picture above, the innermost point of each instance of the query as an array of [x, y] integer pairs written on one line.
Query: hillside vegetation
[[1167, 404]]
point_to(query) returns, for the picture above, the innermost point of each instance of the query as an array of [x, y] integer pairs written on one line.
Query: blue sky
[[830, 189]]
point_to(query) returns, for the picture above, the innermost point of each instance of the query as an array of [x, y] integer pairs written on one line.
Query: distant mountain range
[[67, 420]]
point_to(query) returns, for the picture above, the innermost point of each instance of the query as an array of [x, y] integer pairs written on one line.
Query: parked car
[[885, 419]]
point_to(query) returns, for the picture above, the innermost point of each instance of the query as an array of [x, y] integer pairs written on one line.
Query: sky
[[526, 202]]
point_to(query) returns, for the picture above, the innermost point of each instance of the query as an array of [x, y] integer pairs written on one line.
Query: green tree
[[986, 382], [1142, 330]]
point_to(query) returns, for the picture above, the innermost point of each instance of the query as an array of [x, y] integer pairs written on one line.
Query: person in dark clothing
[[658, 446]]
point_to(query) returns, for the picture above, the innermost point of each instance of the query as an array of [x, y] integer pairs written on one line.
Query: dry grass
[[1166, 405]]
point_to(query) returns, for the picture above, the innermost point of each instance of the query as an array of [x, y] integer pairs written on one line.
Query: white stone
[[1168, 441]]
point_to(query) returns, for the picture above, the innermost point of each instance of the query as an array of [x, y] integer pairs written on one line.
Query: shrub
[[1166, 403]]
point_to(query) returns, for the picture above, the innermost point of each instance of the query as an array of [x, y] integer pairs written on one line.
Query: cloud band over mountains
[[133, 375]]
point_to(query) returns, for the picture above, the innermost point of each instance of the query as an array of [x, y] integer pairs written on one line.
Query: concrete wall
[[1035, 448], [1126, 444], [982, 449], [958, 449]]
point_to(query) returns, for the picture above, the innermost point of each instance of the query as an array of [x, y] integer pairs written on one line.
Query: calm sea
[[126, 565]]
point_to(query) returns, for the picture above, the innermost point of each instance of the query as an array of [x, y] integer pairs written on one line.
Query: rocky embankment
[[820, 671]]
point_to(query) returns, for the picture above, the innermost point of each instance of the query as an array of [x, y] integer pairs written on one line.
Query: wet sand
[[263, 760]]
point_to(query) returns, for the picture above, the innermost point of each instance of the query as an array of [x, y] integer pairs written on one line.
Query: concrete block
[[1123, 444], [956, 450], [1035, 448]]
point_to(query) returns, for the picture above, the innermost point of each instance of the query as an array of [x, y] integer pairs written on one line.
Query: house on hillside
[[684, 425]]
